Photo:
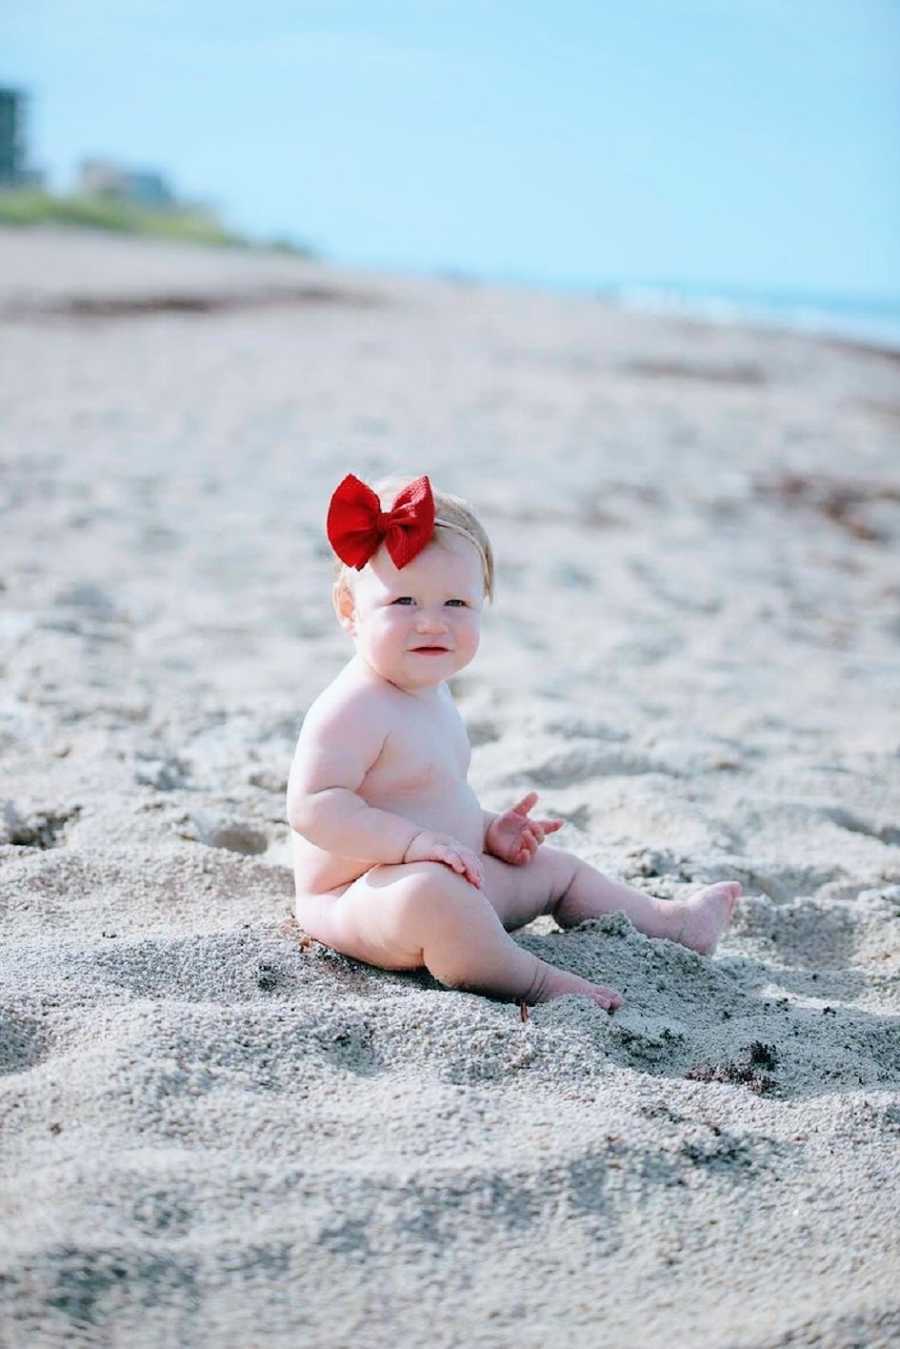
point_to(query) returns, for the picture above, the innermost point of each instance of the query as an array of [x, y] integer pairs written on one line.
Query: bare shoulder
[[348, 701], [342, 736]]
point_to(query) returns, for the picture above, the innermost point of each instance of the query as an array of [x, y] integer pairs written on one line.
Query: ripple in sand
[[567, 767], [165, 772], [85, 1283], [223, 968], [727, 372], [220, 831], [29, 826], [815, 934], [23, 1042]]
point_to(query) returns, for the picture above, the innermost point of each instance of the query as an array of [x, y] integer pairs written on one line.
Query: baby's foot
[[701, 920], [552, 982]]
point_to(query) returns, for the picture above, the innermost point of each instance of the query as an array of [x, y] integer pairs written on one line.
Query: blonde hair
[[450, 512]]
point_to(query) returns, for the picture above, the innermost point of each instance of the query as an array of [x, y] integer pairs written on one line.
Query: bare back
[[418, 773]]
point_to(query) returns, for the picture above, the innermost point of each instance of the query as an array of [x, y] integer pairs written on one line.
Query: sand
[[218, 1133]]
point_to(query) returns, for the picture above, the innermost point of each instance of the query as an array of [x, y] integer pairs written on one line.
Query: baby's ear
[[342, 599]]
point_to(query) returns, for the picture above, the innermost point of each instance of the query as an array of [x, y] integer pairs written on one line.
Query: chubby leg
[[422, 913], [558, 883]]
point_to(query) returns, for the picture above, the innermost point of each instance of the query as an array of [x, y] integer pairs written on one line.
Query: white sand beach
[[218, 1133]]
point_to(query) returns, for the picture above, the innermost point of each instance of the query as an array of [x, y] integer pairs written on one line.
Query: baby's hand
[[430, 847], [513, 837]]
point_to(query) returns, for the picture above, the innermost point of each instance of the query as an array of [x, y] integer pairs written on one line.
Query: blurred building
[[14, 170], [144, 187]]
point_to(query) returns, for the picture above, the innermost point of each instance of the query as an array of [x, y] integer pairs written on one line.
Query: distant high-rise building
[[12, 136], [14, 170]]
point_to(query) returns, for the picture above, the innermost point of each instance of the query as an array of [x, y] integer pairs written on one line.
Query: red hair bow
[[357, 526]]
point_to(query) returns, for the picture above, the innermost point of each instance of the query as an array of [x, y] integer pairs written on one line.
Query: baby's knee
[[432, 901], [392, 928], [430, 886]]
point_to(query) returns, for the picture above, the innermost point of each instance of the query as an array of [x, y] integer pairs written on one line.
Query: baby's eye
[[462, 602], [403, 599]]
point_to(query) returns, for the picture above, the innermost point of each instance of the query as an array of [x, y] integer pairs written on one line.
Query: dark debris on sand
[[838, 500], [744, 1074]]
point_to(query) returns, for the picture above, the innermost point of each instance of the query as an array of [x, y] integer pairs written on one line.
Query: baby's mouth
[[431, 650]]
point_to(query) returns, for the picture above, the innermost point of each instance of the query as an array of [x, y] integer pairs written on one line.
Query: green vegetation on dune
[[30, 206]]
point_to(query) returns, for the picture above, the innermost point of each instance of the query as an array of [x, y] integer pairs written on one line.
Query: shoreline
[[750, 316]]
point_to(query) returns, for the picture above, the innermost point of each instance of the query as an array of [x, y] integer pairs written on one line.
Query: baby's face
[[417, 626]]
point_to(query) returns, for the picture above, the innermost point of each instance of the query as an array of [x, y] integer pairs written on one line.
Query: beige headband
[[459, 529]]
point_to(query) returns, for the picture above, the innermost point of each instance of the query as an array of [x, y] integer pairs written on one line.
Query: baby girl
[[395, 861]]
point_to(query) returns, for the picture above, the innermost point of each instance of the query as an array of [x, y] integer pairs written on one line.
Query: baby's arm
[[336, 748]]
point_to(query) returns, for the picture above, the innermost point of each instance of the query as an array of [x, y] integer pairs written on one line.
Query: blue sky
[[748, 142]]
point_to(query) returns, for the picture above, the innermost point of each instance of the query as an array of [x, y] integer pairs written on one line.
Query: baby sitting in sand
[[395, 862]]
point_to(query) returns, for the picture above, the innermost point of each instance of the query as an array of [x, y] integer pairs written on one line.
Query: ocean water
[[866, 319]]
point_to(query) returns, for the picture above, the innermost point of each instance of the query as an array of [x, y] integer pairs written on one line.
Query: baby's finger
[[450, 859], [550, 826], [524, 852], [523, 806]]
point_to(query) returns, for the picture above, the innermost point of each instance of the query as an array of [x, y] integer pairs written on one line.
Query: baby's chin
[[419, 671], [427, 670]]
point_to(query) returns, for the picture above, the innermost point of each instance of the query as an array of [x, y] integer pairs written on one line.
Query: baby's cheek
[[468, 638], [390, 627]]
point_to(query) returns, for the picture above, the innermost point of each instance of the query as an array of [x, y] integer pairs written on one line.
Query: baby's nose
[[430, 622]]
